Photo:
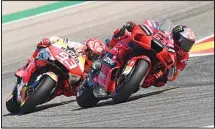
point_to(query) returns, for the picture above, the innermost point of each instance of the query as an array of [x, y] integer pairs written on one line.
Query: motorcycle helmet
[[183, 37], [94, 49]]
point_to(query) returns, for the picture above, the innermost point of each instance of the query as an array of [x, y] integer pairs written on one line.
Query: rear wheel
[[38, 95], [85, 97], [132, 83]]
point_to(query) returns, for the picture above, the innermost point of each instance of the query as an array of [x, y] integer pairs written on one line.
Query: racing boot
[[148, 82], [161, 81], [159, 84], [69, 90]]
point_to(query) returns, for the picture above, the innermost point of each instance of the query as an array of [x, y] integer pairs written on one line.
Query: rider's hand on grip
[[129, 25]]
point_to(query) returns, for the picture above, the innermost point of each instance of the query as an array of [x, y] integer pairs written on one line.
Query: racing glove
[[161, 81], [125, 30], [119, 33], [129, 25]]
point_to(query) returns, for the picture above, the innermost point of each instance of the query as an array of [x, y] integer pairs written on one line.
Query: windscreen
[[165, 25], [44, 54]]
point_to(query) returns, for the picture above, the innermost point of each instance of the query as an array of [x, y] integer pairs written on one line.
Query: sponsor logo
[[109, 61], [171, 50], [177, 29], [71, 53], [146, 30], [158, 43]]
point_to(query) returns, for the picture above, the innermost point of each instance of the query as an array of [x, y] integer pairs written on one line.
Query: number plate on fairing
[[63, 57]]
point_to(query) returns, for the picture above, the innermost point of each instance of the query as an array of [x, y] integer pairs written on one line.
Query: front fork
[[23, 79], [131, 64], [14, 93], [22, 85]]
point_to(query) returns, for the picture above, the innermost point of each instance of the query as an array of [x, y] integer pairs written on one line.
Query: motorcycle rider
[[78, 48], [183, 40]]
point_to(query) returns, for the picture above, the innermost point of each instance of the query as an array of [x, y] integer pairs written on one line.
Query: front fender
[[52, 75], [131, 63]]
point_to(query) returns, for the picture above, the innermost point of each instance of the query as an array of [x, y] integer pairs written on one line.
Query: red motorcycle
[[122, 71], [55, 68]]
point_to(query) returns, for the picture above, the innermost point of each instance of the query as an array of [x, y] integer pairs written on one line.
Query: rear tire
[[125, 91], [85, 97], [41, 93]]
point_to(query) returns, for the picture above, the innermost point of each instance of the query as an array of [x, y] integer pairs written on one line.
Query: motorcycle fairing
[[61, 54]]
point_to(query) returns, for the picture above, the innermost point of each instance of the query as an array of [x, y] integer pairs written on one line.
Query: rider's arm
[[45, 42], [180, 66], [33, 56], [120, 32]]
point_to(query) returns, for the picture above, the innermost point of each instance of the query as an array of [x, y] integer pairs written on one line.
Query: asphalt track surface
[[189, 102]]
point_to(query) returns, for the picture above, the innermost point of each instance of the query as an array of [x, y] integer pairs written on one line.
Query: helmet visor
[[186, 44], [91, 55]]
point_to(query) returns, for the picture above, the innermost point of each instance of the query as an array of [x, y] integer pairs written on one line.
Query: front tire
[[40, 94], [12, 105], [123, 92], [85, 97]]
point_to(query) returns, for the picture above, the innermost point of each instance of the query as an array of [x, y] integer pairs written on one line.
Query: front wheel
[[85, 97], [40, 94], [12, 105], [126, 89]]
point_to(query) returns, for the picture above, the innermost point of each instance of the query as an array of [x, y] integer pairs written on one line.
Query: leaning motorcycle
[[54, 68], [122, 71]]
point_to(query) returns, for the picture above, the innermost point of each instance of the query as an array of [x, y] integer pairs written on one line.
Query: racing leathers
[[160, 77]]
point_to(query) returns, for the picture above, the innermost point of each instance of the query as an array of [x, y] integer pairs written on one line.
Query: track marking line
[[49, 12], [210, 126], [203, 47], [195, 55], [205, 38]]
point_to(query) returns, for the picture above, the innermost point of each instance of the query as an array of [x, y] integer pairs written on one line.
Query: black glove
[[120, 33], [129, 25]]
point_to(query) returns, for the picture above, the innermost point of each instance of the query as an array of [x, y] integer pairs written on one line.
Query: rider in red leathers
[[183, 40]]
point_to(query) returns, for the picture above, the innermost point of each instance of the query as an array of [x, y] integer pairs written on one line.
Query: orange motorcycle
[[54, 69]]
